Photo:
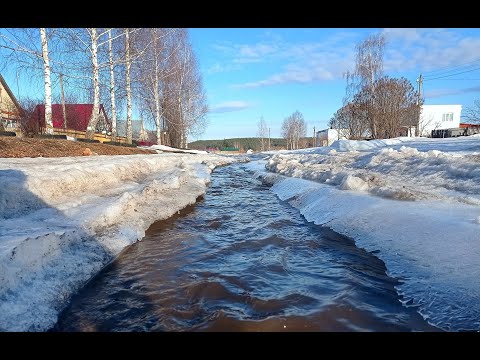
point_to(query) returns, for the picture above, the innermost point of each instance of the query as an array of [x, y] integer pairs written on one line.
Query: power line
[[458, 73], [462, 79], [451, 67], [452, 71]]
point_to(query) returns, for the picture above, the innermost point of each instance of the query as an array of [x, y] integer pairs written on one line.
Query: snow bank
[[63, 219], [450, 173], [414, 202], [164, 148]]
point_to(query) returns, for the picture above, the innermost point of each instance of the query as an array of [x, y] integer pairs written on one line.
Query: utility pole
[[420, 82], [63, 103], [314, 138], [269, 139]]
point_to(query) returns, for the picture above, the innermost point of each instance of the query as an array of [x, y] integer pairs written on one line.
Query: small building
[[78, 116], [138, 130], [438, 117], [328, 136], [10, 109], [470, 129]]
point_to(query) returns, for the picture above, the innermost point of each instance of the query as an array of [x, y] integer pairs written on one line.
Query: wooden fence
[[81, 135]]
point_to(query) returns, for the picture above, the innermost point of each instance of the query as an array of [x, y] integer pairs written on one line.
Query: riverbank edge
[[33, 266]]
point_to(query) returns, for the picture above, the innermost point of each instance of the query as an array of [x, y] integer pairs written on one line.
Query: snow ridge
[[414, 202], [57, 232]]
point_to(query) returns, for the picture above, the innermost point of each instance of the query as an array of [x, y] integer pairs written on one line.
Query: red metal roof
[[78, 115], [464, 125]]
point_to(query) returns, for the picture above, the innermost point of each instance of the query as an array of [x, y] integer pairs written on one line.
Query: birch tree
[[262, 132], [89, 55], [94, 37], [128, 64], [184, 100], [21, 45], [369, 68], [111, 63], [293, 129], [47, 81]]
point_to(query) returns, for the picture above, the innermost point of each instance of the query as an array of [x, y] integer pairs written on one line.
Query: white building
[[434, 117], [328, 136]]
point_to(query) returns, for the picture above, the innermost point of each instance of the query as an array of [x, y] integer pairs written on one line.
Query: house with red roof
[[77, 117]]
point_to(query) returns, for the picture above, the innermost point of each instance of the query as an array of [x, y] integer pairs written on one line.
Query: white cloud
[[428, 49], [220, 68], [303, 62], [257, 50], [229, 106], [436, 93], [293, 73]]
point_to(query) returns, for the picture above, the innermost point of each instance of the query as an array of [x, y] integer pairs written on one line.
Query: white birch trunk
[[48, 83], [180, 98], [112, 86], [129, 91], [92, 124], [157, 110], [156, 92]]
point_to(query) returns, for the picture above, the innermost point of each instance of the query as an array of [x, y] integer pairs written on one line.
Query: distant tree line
[[154, 69], [376, 106], [243, 144]]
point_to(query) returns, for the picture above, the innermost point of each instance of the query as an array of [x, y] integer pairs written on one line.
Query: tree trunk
[[129, 91], [48, 83], [156, 91], [112, 86], [92, 124]]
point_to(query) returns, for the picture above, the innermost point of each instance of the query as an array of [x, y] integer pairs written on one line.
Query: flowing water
[[241, 260]]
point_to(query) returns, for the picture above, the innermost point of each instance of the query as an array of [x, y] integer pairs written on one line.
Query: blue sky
[[249, 73]]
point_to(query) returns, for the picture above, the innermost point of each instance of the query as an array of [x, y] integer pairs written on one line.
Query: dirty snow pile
[[414, 202], [63, 219]]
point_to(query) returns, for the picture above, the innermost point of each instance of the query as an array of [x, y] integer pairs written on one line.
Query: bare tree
[[349, 121], [23, 49], [262, 133], [149, 75], [394, 104], [111, 63], [472, 113], [89, 54], [28, 124], [293, 129], [183, 100], [128, 64], [48, 83], [287, 132], [369, 68], [425, 123]]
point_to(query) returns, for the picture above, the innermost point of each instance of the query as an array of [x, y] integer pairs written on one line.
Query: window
[[447, 117]]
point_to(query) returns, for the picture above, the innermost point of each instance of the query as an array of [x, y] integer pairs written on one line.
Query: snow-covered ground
[[163, 148], [415, 203], [63, 219]]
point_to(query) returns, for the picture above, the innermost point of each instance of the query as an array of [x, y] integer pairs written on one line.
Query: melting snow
[[63, 219], [415, 202]]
